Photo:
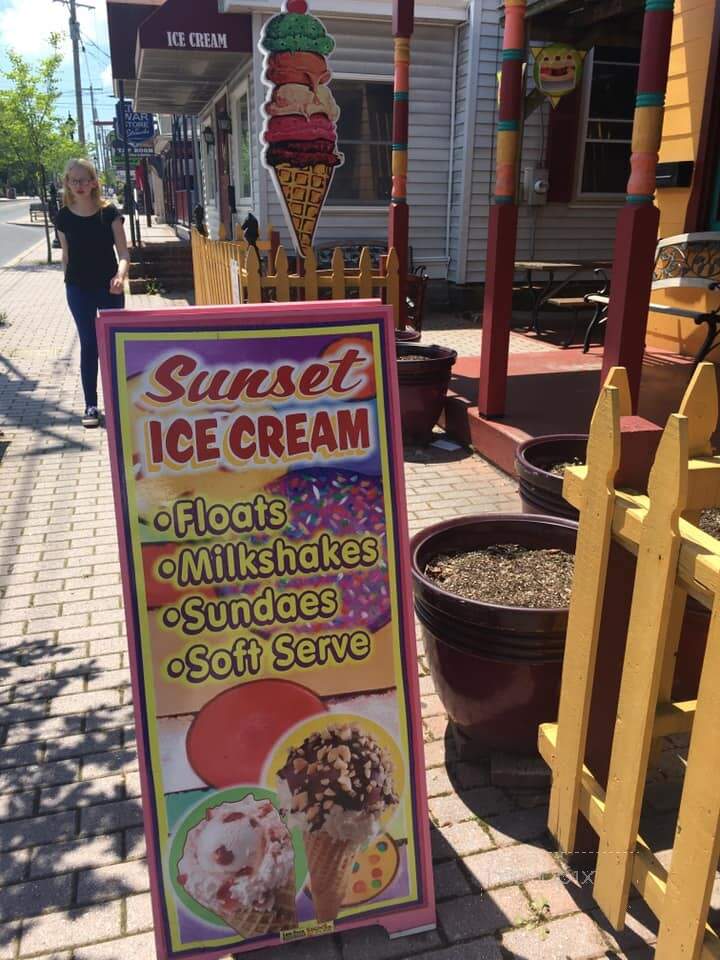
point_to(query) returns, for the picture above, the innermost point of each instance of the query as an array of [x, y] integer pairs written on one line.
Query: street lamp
[[208, 136], [223, 121], [69, 127]]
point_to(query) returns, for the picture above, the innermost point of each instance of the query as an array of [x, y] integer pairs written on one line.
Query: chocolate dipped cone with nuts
[[336, 787]]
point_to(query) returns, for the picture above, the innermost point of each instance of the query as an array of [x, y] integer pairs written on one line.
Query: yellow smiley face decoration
[[558, 70]]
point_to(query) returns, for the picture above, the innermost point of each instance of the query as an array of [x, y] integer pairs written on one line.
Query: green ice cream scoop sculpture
[[293, 32]]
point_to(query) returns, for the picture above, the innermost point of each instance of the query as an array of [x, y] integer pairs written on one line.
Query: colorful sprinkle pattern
[[342, 503]]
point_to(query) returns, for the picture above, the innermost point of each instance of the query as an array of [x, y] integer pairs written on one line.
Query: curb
[[25, 253], [26, 223]]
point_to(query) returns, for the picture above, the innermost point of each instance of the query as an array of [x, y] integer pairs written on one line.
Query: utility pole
[[74, 26], [75, 38]]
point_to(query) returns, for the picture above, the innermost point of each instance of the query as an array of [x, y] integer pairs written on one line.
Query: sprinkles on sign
[[346, 504]]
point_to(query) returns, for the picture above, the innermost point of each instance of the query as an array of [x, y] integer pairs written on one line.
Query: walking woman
[[90, 231]]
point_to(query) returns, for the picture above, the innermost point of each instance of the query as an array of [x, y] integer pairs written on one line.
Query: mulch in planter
[[710, 521], [506, 574], [558, 469]]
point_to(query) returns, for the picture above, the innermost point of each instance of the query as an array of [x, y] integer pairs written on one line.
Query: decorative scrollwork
[[684, 261]]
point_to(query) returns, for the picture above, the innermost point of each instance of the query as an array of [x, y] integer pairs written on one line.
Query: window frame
[[343, 206], [242, 91], [579, 195]]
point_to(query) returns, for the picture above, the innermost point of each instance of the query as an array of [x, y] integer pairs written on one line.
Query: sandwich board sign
[[257, 471]]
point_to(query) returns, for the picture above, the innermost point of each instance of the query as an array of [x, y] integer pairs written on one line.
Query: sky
[[25, 26]]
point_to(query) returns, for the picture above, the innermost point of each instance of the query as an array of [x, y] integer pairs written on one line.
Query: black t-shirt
[[91, 249]]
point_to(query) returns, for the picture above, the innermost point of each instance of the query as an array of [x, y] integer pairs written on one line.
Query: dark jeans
[[84, 305]]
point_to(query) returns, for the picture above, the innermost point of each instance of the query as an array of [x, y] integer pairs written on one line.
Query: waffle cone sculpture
[[337, 785], [300, 135], [304, 190]]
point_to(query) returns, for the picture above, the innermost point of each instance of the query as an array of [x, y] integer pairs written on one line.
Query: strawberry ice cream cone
[[239, 863]]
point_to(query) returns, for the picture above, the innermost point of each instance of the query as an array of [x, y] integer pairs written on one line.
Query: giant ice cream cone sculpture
[[336, 787], [300, 137]]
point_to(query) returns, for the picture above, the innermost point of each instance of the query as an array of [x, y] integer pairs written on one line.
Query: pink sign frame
[[115, 327]]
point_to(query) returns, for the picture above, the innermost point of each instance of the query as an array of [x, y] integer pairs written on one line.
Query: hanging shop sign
[[299, 136], [138, 126], [557, 70], [257, 470], [136, 152]]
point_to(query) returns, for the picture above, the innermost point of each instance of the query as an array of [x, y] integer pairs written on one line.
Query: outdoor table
[[552, 287]]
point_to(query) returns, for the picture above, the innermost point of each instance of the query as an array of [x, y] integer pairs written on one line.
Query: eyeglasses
[[79, 183]]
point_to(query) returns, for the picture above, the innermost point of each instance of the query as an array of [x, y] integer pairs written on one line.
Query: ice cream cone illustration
[[239, 863], [336, 787], [300, 136]]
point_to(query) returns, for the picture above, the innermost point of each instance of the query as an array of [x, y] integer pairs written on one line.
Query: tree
[[33, 139]]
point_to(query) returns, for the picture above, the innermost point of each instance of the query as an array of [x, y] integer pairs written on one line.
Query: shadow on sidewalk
[[14, 385]]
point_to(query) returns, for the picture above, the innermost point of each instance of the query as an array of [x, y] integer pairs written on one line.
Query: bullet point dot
[[163, 521], [176, 668], [166, 568], [171, 617]]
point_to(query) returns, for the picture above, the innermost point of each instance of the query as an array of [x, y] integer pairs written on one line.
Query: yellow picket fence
[[675, 559], [213, 275]]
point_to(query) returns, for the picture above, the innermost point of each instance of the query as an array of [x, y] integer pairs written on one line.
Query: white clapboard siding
[[550, 231], [365, 47]]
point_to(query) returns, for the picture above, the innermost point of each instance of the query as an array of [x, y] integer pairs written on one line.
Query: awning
[[185, 51], [124, 19]]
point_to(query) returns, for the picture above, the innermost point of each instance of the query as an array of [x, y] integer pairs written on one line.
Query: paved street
[[72, 868], [15, 239]]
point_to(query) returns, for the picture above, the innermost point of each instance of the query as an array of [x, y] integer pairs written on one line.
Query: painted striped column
[[637, 225], [502, 228], [399, 219]]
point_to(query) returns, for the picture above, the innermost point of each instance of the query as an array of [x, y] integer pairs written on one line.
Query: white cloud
[[25, 25]]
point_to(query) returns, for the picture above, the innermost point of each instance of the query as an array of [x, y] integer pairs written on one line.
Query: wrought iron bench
[[36, 211], [601, 300]]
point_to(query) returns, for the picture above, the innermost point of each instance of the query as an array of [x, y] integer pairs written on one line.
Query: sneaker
[[91, 417]]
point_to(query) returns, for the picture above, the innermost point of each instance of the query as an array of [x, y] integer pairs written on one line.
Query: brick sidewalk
[[72, 868]]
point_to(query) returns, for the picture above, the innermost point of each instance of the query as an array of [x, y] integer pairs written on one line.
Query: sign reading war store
[[257, 470], [138, 126]]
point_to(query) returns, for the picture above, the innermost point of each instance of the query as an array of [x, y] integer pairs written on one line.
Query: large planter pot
[[497, 669], [423, 388], [540, 490]]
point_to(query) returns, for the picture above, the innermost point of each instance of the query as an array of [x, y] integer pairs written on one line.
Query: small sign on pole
[[257, 470], [235, 281]]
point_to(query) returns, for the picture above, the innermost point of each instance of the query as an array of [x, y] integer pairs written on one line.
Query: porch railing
[[216, 262]]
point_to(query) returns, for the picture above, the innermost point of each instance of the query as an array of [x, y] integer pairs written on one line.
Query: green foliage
[[34, 141]]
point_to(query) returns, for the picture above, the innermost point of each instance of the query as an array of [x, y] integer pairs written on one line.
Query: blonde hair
[[88, 168]]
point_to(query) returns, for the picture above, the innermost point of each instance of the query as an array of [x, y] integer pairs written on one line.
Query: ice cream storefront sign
[[300, 134], [257, 471]]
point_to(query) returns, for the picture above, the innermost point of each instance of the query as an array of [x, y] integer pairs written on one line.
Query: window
[[365, 137], [242, 147], [611, 75]]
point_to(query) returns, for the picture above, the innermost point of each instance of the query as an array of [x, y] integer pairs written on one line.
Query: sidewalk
[[72, 868]]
